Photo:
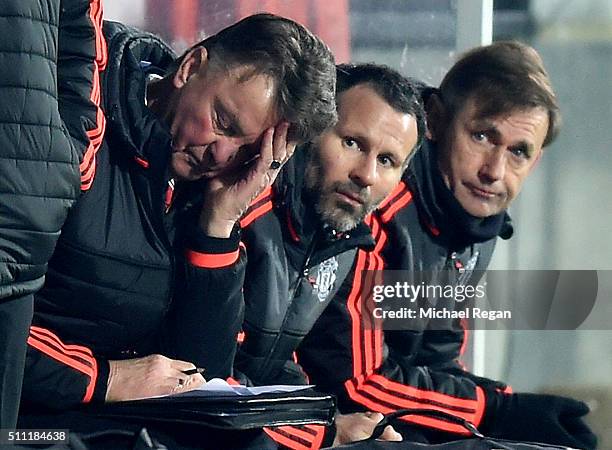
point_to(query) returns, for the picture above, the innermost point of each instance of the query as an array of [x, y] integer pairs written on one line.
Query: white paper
[[217, 386]]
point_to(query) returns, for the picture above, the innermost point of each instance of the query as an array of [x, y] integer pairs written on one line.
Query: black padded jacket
[[50, 58]]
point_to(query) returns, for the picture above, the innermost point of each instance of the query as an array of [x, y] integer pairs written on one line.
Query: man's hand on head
[[228, 196]]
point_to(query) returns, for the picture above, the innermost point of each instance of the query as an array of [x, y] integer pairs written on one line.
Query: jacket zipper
[[295, 291]]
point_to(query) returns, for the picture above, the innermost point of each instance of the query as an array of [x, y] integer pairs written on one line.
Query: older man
[[488, 123], [190, 143]]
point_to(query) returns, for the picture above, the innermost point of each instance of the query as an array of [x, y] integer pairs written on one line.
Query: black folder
[[239, 412]]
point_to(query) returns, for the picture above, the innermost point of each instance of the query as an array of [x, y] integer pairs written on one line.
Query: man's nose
[[493, 167], [222, 151], [363, 172]]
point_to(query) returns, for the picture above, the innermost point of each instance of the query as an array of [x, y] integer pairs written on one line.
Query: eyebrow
[[486, 126], [529, 148], [490, 128], [362, 140], [235, 125]]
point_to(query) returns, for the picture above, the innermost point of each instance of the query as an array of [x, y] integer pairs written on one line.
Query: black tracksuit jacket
[[128, 279], [385, 370], [294, 266]]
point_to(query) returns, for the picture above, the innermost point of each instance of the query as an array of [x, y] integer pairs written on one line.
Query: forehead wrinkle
[[478, 111], [388, 141], [394, 133], [241, 121], [358, 121]]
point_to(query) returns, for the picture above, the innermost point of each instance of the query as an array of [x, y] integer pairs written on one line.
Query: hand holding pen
[[151, 376]]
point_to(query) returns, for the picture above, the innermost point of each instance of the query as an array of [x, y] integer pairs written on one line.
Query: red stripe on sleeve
[[265, 193], [84, 351], [304, 437], [464, 325], [320, 430], [435, 396], [377, 405], [62, 356], [211, 260], [397, 205], [88, 164], [287, 439], [358, 367], [143, 162], [377, 265], [482, 401], [304, 434], [401, 187], [291, 228], [375, 391], [75, 356], [256, 214]]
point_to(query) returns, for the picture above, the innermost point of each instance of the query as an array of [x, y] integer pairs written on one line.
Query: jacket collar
[[133, 55]]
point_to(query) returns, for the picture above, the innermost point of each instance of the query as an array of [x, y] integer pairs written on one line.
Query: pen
[[194, 371]]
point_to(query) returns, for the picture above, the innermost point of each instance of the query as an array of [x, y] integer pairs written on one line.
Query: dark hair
[[401, 93], [501, 77], [299, 62]]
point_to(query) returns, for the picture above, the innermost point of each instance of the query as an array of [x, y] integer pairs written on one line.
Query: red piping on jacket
[[212, 260], [377, 392], [87, 166], [75, 356]]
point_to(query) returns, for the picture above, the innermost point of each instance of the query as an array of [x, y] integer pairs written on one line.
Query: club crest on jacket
[[326, 277]]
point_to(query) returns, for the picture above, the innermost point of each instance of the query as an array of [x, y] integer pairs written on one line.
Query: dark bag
[[477, 442]]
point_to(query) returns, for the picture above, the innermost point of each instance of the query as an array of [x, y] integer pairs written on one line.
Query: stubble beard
[[339, 215]]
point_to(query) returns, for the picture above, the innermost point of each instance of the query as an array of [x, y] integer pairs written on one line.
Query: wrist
[[216, 227], [329, 438], [111, 381], [494, 408], [100, 387]]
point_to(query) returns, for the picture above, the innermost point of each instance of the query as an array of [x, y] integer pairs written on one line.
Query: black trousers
[[15, 319]]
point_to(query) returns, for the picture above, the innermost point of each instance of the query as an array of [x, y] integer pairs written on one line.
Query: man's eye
[[385, 161], [479, 136], [350, 143], [223, 124], [519, 152]]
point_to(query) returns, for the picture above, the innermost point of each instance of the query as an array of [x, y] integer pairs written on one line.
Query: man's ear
[[538, 158], [436, 117], [193, 61]]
